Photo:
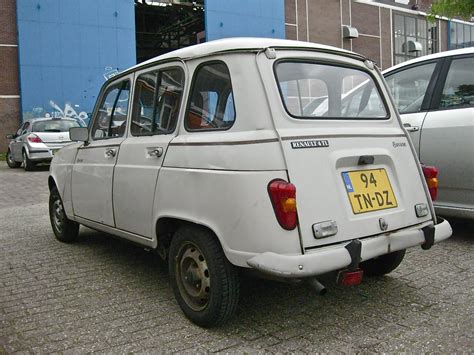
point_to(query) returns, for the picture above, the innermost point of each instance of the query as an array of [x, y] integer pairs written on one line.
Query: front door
[[156, 106], [92, 174]]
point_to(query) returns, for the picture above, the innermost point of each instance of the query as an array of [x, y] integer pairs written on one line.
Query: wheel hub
[[58, 214], [193, 277]]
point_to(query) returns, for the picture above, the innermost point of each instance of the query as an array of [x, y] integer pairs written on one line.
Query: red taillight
[[33, 138], [431, 176], [283, 197], [350, 278]]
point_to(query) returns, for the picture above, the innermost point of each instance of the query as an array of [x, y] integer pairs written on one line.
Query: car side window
[[156, 102], [458, 91], [408, 87], [22, 128], [111, 118], [211, 103]]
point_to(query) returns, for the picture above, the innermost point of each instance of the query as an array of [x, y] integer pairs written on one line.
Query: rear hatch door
[[346, 152]]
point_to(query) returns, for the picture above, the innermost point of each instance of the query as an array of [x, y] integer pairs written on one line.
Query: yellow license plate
[[369, 190]]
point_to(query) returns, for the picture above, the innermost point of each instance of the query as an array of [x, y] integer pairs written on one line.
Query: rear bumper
[[40, 155], [336, 257]]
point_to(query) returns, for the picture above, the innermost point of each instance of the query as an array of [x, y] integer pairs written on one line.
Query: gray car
[[435, 97], [37, 140]]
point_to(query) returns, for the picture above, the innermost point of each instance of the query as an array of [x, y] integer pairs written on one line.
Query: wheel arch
[[166, 226], [25, 150], [52, 183]]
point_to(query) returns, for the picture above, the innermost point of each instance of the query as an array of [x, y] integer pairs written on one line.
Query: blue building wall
[[67, 48], [244, 18]]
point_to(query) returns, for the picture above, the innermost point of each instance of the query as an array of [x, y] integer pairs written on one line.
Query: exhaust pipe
[[317, 286]]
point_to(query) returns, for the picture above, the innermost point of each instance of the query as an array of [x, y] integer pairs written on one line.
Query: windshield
[[319, 91], [54, 125]]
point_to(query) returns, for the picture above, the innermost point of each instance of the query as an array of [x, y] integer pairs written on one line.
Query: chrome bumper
[[336, 257]]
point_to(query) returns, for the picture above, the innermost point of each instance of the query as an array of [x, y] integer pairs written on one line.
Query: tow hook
[[429, 234], [317, 286], [353, 274]]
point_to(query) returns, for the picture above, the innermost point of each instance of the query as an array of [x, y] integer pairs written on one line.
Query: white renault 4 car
[[210, 156]]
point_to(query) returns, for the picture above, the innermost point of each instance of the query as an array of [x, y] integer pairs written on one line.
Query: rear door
[[92, 173], [346, 154], [447, 138], [156, 106]]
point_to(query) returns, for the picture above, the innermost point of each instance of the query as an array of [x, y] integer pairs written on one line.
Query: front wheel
[[205, 284], [10, 161], [383, 264], [64, 229]]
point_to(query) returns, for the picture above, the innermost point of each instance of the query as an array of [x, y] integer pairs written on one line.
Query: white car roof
[[239, 44], [431, 56]]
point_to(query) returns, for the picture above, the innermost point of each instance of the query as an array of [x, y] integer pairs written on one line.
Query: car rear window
[[54, 125], [312, 90]]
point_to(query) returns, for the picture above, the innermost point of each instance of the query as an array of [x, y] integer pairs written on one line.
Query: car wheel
[[28, 165], [10, 161], [383, 264], [64, 229], [205, 284]]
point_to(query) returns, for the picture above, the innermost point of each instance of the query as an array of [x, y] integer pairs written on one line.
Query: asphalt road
[[102, 294]]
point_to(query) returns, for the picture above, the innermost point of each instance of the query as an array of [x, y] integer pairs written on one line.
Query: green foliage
[[3, 156], [463, 9]]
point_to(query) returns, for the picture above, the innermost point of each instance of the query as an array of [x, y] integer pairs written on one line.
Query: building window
[[461, 35], [413, 37]]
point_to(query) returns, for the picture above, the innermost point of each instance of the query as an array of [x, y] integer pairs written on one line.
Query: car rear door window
[[111, 118], [458, 91], [23, 128], [156, 102], [211, 105], [408, 87]]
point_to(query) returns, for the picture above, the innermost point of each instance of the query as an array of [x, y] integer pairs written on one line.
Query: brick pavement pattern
[[104, 295]]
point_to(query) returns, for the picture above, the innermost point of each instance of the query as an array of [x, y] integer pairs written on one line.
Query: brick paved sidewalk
[[102, 294]]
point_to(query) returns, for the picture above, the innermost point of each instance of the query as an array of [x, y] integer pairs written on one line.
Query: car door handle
[[411, 128], [155, 152], [110, 152]]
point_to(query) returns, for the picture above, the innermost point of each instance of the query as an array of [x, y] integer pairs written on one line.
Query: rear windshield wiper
[[52, 130]]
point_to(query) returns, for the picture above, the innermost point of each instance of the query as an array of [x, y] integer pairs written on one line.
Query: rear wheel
[[28, 165], [205, 284], [10, 161], [64, 229], [383, 264]]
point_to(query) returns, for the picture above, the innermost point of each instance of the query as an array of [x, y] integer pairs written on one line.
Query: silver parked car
[[37, 140], [435, 97]]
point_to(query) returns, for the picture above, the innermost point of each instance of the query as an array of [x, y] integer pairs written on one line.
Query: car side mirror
[[79, 134], [10, 136]]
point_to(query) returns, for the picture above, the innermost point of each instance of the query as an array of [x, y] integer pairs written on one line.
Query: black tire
[[28, 165], [64, 229], [383, 264], [10, 162], [205, 284]]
